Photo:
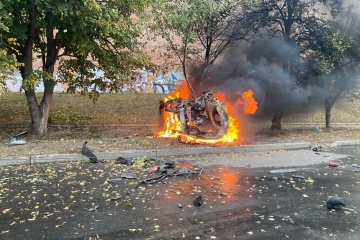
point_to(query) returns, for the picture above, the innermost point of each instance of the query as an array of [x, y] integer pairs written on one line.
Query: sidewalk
[[46, 158]]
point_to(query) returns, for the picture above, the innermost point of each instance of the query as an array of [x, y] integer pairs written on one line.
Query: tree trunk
[[40, 113], [327, 113], [276, 123], [278, 114], [280, 109]]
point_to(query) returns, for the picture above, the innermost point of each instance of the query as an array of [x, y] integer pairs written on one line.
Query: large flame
[[247, 99], [173, 123]]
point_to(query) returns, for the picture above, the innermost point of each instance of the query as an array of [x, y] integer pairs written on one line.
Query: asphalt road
[[242, 198]]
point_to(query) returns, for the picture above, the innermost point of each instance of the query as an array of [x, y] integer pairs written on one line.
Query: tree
[[197, 30], [81, 36], [336, 59], [294, 21]]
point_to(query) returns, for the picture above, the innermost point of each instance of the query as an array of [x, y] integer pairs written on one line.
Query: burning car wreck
[[205, 117]]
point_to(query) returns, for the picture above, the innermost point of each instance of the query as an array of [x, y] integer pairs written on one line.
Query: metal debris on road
[[86, 151], [115, 198], [129, 175], [92, 209], [167, 173], [337, 203], [334, 164], [298, 176], [115, 180], [198, 201], [121, 160]]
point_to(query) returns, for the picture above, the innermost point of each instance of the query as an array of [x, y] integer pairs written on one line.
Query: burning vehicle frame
[[190, 117]]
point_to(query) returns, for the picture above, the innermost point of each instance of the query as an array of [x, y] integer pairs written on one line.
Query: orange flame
[[250, 105], [174, 125], [181, 91]]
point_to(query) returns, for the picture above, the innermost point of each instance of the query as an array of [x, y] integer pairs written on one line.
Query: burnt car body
[[204, 117]]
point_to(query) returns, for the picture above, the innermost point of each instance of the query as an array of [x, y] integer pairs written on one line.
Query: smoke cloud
[[259, 67]]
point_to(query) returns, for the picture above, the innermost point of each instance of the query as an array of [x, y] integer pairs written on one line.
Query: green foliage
[[175, 22], [7, 64], [34, 78], [326, 58], [7, 61], [332, 45], [87, 35]]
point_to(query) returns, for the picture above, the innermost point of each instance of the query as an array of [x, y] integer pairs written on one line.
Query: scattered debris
[[146, 161], [143, 161], [115, 198], [318, 129], [92, 209], [14, 142], [153, 169], [284, 170], [157, 159], [121, 160], [317, 148], [309, 180], [298, 176], [86, 151], [334, 164], [167, 173], [115, 180], [198, 201], [129, 175], [337, 203], [179, 205]]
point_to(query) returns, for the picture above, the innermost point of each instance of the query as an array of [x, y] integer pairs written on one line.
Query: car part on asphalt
[[115, 180], [334, 164], [205, 112], [198, 201], [167, 173], [129, 175], [86, 151], [92, 209], [121, 160], [337, 203]]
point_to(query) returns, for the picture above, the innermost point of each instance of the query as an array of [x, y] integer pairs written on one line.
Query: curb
[[49, 158], [345, 143]]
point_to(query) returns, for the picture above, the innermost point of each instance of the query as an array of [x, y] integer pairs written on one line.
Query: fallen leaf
[[6, 210]]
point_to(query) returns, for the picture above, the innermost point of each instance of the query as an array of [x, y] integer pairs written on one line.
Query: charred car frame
[[203, 117]]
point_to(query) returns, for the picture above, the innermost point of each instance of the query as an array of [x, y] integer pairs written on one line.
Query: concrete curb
[[35, 159], [345, 143]]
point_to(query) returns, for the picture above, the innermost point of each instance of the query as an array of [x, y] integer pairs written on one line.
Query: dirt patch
[[127, 121]]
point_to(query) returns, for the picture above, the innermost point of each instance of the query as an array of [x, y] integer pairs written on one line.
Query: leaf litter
[[53, 190]]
